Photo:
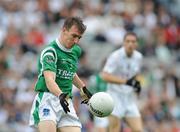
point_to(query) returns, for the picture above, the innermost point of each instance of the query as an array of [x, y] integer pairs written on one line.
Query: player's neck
[[61, 42], [61, 45], [129, 55]]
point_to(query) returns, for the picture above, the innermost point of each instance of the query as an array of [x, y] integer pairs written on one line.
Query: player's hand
[[135, 84], [85, 95], [132, 81], [63, 102], [137, 87]]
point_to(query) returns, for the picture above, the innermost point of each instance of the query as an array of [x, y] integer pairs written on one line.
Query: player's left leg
[[114, 123], [101, 124], [133, 116], [135, 123], [69, 122], [69, 129]]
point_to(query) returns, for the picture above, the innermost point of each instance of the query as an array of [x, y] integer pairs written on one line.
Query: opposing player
[[120, 71], [52, 108]]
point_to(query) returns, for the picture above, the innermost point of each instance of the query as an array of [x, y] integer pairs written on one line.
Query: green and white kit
[[64, 63]]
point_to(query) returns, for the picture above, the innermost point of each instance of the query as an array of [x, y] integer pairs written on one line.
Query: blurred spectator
[[172, 34], [162, 52], [83, 69]]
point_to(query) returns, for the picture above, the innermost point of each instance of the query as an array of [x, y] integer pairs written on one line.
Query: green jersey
[[60, 60], [96, 84]]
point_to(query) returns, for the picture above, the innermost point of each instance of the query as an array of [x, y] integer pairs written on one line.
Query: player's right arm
[[54, 88], [110, 78], [48, 61], [117, 80], [51, 84]]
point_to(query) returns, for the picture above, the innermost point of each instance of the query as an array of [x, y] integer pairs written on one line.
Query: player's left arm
[[78, 82], [84, 92]]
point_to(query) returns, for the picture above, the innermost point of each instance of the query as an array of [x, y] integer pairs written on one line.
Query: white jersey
[[119, 64]]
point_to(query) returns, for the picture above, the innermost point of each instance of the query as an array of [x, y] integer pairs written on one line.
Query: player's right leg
[[47, 126], [114, 124], [69, 129], [43, 115]]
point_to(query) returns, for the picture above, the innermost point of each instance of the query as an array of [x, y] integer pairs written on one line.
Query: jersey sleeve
[[49, 59], [139, 62]]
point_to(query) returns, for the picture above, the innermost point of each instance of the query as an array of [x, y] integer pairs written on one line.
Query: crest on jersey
[[46, 111], [49, 59]]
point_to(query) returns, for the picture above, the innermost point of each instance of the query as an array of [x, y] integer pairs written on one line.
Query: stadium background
[[27, 25]]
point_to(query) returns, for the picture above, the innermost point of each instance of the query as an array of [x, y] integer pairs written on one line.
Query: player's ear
[[63, 29]]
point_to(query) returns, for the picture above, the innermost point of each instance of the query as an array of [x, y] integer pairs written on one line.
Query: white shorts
[[46, 106], [101, 122], [125, 105]]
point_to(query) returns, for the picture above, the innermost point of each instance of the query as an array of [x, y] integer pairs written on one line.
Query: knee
[[114, 127]]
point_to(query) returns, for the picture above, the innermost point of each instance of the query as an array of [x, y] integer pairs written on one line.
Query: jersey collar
[[62, 47], [124, 53]]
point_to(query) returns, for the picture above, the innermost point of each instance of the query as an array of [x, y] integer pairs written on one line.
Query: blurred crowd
[[28, 25]]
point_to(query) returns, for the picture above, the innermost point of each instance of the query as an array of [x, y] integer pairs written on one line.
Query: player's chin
[[130, 52], [70, 45]]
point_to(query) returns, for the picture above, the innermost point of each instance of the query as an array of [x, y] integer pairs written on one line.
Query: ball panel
[[101, 104]]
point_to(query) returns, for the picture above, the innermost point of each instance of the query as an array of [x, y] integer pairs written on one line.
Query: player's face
[[71, 36], [130, 44]]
